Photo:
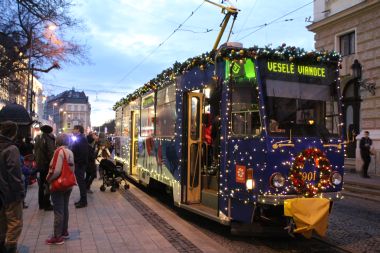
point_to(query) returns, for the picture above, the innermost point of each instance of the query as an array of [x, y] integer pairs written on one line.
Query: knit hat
[[46, 129], [8, 128]]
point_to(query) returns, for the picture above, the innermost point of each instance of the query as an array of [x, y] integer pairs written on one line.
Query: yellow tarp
[[308, 214]]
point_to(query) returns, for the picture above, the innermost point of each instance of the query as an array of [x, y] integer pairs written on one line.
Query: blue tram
[[237, 132]]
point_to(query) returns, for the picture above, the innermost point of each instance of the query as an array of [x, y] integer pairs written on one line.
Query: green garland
[[203, 61]]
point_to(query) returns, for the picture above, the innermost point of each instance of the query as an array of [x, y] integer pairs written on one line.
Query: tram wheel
[[126, 186], [113, 189], [102, 188]]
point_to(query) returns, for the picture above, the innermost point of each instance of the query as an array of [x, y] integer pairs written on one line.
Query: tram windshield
[[307, 110], [301, 106]]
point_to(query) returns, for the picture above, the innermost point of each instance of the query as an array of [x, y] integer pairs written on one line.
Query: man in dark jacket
[[79, 147], [12, 188], [44, 150], [365, 152], [91, 167]]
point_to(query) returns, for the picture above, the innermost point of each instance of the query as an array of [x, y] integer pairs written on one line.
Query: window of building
[[347, 43], [69, 107], [68, 125], [147, 116], [166, 113]]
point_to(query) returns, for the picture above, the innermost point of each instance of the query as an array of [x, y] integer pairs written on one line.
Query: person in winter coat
[[102, 153], [44, 149], [79, 147], [91, 167], [365, 152], [60, 198], [11, 188]]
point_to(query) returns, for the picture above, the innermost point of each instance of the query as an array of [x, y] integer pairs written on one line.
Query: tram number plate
[[309, 176]]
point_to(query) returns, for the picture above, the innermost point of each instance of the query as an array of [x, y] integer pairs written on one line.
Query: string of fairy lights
[[295, 181]]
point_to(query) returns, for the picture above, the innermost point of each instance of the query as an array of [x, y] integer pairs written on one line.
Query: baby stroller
[[112, 176]]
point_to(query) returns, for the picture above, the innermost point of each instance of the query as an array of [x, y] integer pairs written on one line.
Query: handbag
[[66, 179]]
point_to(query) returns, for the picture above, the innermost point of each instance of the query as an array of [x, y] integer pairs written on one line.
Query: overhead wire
[[273, 21], [87, 90], [246, 19], [159, 45]]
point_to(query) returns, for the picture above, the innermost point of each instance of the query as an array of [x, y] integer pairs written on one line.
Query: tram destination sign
[[297, 72]]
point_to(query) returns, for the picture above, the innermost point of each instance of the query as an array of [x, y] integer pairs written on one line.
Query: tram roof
[[203, 61]]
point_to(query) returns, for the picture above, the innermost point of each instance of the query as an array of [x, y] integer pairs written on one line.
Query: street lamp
[[59, 119], [30, 79], [356, 69], [357, 74], [54, 105], [54, 118]]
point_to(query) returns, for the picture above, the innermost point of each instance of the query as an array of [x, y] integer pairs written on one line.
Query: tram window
[[245, 110], [304, 109], [194, 118], [147, 116], [166, 112]]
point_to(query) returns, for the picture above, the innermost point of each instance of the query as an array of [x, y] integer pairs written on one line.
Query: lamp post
[[59, 120], [54, 105], [54, 121], [29, 90], [30, 67], [357, 74]]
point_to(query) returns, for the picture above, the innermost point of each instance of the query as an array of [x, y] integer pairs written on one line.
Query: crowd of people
[[22, 160]]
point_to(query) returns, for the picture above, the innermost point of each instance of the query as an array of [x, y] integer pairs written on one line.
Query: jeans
[[11, 224], [61, 211], [80, 171]]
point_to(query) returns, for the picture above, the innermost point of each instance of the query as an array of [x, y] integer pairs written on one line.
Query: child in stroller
[[112, 176]]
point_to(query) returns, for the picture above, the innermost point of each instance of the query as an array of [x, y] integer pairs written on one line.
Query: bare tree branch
[[25, 36]]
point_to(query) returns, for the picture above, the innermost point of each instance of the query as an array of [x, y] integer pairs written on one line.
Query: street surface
[[134, 221], [354, 227]]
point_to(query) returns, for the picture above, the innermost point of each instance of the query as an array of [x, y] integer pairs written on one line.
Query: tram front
[[304, 146]]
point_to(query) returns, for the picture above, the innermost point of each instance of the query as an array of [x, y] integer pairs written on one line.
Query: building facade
[[352, 27], [68, 109]]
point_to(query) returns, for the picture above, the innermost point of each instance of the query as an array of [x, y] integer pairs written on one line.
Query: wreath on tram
[[321, 163]]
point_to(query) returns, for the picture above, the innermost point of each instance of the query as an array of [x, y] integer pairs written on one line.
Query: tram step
[[360, 189], [210, 198]]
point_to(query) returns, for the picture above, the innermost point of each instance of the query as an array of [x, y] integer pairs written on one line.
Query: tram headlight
[[250, 182], [277, 180], [336, 178]]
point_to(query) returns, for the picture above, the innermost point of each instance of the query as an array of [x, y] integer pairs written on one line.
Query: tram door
[[194, 147], [134, 141]]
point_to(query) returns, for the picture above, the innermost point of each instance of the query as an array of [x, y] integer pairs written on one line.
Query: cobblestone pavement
[[355, 225], [265, 244]]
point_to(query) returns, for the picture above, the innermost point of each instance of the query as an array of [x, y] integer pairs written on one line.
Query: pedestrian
[[365, 152], [60, 198], [26, 147], [11, 188], [79, 147], [91, 168], [102, 153], [43, 151]]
